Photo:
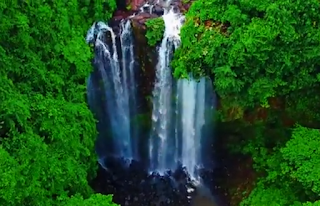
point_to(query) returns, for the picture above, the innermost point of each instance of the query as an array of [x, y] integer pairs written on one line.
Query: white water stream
[[178, 109]]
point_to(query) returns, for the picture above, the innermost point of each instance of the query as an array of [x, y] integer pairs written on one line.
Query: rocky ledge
[[144, 10]]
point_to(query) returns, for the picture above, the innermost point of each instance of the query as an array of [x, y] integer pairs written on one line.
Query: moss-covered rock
[[155, 30], [146, 57]]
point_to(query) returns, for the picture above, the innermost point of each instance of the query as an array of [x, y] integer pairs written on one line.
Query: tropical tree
[[47, 132]]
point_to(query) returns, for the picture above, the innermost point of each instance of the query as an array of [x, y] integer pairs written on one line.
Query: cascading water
[[178, 117], [118, 84], [128, 79], [163, 151], [192, 98]]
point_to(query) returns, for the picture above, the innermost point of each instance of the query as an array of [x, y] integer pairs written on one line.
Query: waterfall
[[117, 80], [162, 150], [193, 119], [128, 79], [179, 131], [178, 113]]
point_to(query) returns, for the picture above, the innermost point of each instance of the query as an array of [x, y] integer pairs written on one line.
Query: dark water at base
[[132, 185]]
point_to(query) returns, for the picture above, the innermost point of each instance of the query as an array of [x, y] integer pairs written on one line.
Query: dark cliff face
[[146, 57], [145, 60]]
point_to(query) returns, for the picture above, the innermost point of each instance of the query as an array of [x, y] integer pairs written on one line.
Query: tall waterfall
[[118, 82], [178, 109], [163, 151], [128, 79]]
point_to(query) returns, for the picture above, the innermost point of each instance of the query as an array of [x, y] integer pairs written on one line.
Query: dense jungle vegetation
[[264, 58], [47, 132]]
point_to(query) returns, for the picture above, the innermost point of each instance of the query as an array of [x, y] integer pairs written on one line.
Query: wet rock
[[121, 5], [134, 187], [139, 20], [157, 7], [129, 5], [146, 57], [120, 15], [136, 4], [158, 10]]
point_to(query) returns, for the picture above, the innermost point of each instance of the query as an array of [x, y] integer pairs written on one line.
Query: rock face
[[146, 57]]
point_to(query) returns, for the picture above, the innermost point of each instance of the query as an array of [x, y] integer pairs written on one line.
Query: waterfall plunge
[[178, 109], [118, 83]]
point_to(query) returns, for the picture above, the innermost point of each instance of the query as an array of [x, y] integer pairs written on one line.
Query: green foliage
[[129, 7], [292, 170], [317, 203], [302, 155], [155, 30], [253, 49], [47, 132], [269, 196], [94, 200]]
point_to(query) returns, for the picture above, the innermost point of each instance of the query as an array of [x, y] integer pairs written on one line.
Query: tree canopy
[[257, 51], [291, 170], [47, 132], [254, 50]]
